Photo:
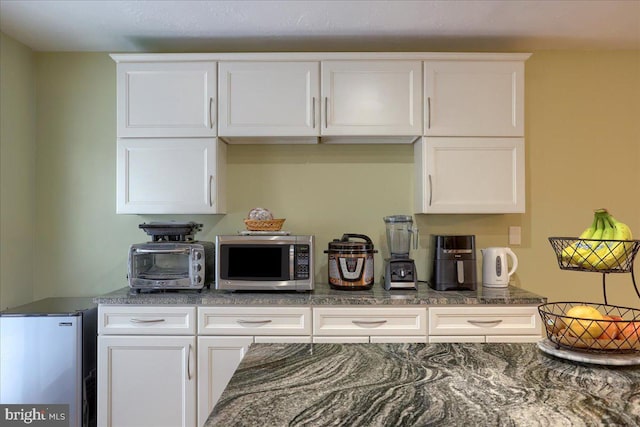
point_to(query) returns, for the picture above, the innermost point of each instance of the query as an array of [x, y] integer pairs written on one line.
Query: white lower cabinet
[[154, 371], [146, 381], [225, 335], [146, 366], [484, 324], [218, 358]]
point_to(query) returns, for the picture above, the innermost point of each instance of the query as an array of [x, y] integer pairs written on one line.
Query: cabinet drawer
[[254, 321], [484, 321], [338, 321], [146, 320]]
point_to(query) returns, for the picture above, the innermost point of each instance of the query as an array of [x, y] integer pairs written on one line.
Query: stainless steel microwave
[[264, 262]]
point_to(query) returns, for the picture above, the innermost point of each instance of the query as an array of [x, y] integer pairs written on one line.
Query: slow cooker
[[351, 262]]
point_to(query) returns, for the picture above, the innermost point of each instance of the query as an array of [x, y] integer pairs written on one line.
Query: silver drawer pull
[[254, 322], [485, 322], [369, 322], [134, 320]]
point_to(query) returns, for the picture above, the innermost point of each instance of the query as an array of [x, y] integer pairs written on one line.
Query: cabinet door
[[166, 99], [372, 98], [170, 176], [269, 99], [218, 358], [146, 381], [469, 175], [474, 98]]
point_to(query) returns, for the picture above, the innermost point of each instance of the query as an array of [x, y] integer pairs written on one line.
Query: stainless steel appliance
[[173, 259], [400, 270], [262, 261], [351, 262], [454, 263], [48, 358]]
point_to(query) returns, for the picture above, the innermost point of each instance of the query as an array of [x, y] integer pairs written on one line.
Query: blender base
[[400, 273]]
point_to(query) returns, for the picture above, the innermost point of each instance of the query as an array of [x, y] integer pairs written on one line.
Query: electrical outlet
[[515, 235]]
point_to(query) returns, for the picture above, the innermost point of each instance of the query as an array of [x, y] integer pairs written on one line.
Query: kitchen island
[[422, 384]]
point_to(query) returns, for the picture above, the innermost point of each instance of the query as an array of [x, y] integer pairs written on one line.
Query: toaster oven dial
[[198, 278], [198, 255]]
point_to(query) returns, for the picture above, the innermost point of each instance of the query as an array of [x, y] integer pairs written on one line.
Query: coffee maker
[[454, 263], [400, 270]]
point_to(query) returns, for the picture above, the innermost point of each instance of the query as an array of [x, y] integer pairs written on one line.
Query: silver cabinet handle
[[313, 110], [485, 322], [136, 320], [430, 190], [210, 190], [369, 322], [254, 322], [211, 112], [429, 112], [189, 363], [326, 112]]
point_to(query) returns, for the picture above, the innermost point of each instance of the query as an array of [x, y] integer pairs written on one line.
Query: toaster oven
[[171, 265]]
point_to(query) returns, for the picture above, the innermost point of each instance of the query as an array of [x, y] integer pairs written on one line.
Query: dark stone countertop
[[324, 295], [423, 384]]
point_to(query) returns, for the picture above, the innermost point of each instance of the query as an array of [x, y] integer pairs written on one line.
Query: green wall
[[582, 148], [17, 173]]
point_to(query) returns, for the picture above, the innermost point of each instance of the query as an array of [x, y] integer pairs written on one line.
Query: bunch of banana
[[577, 252], [602, 246], [617, 249]]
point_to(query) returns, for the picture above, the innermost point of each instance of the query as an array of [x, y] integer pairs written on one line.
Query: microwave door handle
[[292, 258], [164, 251]]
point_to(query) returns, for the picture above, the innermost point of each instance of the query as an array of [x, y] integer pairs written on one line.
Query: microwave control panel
[[302, 261]]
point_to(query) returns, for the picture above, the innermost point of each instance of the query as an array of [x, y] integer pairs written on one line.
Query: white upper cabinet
[[469, 175], [372, 98], [170, 176], [269, 99], [474, 98], [166, 99]]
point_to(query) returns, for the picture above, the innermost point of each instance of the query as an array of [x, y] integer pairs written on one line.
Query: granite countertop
[[421, 384], [324, 295]]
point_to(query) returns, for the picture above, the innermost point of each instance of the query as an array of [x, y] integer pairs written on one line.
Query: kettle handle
[[345, 237], [514, 260]]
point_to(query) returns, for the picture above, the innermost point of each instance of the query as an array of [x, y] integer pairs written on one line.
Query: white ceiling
[[323, 25]]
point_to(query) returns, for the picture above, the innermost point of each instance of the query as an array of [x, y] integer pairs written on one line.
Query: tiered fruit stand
[[585, 339]]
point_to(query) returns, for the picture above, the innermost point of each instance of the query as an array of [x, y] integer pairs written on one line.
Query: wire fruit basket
[[601, 256], [597, 256], [618, 332]]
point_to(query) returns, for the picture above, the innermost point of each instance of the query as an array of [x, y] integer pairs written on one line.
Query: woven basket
[[264, 225]]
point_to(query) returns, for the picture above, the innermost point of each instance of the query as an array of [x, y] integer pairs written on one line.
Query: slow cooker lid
[[344, 244]]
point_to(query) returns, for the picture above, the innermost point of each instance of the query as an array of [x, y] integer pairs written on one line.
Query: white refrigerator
[[48, 361]]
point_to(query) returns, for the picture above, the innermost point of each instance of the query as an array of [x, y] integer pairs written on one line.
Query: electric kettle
[[495, 270]]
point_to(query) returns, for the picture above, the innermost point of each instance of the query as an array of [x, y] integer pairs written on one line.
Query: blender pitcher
[[399, 231]]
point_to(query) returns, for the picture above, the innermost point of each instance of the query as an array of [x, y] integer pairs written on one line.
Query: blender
[[400, 270]]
